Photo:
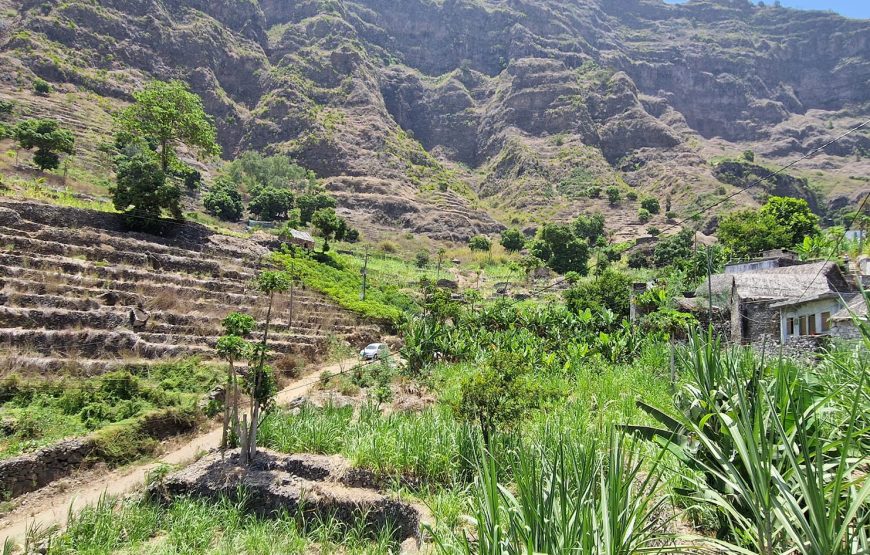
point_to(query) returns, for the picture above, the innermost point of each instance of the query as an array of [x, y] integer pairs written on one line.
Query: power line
[[768, 176]]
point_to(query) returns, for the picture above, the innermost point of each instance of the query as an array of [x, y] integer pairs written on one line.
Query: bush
[[593, 191], [610, 290], [749, 156], [643, 215], [613, 195], [271, 203], [6, 107], [513, 240], [654, 231], [388, 247], [224, 201], [671, 215], [631, 195], [42, 87], [422, 259], [651, 205], [480, 243]]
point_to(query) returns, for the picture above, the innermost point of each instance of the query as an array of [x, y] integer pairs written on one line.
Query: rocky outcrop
[[744, 175], [418, 97]]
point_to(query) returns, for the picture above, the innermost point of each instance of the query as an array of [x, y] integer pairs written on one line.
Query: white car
[[374, 350]]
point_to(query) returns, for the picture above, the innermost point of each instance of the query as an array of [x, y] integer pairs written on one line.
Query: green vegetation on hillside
[[40, 412]]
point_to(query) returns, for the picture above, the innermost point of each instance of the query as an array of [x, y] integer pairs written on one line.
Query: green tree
[[590, 227], [651, 205], [794, 215], [261, 387], [328, 224], [513, 240], [480, 243], [749, 232], [271, 203], [141, 191], [560, 249], [171, 114], [311, 202], [48, 138], [749, 156], [233, 347], [224, 201]]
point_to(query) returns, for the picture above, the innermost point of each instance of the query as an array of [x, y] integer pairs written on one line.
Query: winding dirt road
[[54, 510]]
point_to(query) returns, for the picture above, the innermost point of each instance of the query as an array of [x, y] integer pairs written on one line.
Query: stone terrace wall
[[30, 472]]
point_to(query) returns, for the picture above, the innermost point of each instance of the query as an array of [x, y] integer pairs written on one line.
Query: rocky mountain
[[457, 117]]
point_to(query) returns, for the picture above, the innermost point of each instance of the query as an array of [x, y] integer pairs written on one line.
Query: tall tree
[[794, 215], [171, 114], [48, 138], [141, 191], [328, 225]]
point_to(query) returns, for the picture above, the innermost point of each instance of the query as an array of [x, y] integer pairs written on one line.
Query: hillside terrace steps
[[70, 277]]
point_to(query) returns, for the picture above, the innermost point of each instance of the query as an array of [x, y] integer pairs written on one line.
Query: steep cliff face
[[419, 111]]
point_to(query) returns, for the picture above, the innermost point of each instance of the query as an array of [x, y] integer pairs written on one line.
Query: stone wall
[[32, 471]]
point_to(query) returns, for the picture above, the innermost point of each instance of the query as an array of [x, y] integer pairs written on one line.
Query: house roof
[[803, 281], [301, 236], [857, 305]]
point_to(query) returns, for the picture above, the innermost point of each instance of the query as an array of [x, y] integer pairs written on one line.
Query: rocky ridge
[[459, 117]]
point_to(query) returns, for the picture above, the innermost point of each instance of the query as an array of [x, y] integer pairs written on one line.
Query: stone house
[[780, 300], [843, 322]]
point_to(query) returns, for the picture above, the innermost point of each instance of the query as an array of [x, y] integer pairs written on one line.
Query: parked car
[[374, 350]]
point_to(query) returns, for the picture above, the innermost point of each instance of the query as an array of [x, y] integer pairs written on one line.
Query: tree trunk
[[164, 156], [227, 408], [258, 382]]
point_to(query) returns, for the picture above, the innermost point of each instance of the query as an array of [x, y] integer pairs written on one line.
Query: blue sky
[[849, 8]]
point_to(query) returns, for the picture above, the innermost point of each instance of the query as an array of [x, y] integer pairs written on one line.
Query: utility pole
[[709, 287], [364, 272]]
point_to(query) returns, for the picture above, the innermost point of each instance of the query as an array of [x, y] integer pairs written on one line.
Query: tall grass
[[424, 447], [192, 526], [775, 448], [566, 498]]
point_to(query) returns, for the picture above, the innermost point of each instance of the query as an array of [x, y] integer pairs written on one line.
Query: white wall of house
[[812, 313]]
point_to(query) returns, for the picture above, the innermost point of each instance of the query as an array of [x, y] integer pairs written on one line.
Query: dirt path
[[54, 510]]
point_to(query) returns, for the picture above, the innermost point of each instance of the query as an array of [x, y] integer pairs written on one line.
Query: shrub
[[651, 205], [6, 107], [610, 290], [749, 156], [643, 215], [388, 247], [671, 215], [422, 259], [42, 87], [654, 231], [513, 240], [593, 191], [631, 195], [613, 195], [480, 243]]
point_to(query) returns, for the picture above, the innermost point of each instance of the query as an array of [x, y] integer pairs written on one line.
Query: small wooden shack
[[300, 239]]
